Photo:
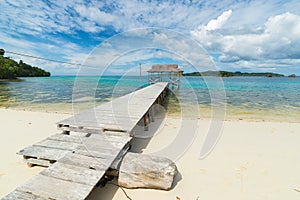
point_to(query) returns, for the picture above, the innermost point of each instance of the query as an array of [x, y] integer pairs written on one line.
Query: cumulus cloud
[[215, 24], [207, 34], [249, 31], [95, 14], [280, 39]]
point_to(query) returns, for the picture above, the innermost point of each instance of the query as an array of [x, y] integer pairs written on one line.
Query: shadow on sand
[[140, 141]]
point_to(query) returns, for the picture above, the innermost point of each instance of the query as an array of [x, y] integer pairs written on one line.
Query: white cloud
[[251, 31], [58, 50], [215, 24], [148, 46], [71, 15], [279, 39], [94, 14]]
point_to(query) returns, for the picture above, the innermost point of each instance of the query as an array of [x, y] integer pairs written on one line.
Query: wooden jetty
[[91, 143], [120, 115], [165, 72]]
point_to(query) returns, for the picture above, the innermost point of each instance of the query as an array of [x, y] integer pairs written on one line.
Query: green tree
[[2, 52], [10, 69]]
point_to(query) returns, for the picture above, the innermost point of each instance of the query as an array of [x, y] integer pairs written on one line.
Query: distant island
[[230, 74], [10, 69]]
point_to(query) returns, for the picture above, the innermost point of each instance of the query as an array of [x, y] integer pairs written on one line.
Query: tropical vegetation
[[10, 69], [229, 74]]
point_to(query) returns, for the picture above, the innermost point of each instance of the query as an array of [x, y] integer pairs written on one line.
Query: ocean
[[254, 98]]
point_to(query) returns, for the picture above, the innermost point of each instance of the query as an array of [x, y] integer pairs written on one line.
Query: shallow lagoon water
[[276, 98]]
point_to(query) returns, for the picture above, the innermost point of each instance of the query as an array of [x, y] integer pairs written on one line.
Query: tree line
[[230, 74], [10, 69]]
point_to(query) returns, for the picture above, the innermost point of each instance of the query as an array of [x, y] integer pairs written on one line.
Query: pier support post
[[152, 113], [146, 121]]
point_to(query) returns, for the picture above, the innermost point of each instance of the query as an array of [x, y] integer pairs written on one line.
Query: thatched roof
[[164, 68]]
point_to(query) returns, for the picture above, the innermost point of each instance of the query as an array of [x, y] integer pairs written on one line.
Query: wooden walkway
[[93, 141], [122, 114]]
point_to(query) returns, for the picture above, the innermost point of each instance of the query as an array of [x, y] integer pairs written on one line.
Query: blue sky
[[236, 35]]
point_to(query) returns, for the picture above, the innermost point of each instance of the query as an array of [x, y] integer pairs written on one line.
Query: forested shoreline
[[11, 69]]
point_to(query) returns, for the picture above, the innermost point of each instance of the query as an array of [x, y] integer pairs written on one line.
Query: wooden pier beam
[[146, 121]]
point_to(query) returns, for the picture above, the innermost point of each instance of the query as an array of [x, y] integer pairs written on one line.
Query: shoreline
[[252, 160], [231, 113]]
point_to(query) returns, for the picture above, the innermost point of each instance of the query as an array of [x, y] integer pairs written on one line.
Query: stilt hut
[[165, 73]]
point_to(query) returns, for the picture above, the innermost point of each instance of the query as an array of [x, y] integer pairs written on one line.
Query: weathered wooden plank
[[20, 195], [74, 173], [120, 120], [40, 162], [117, 109], [111, 136], [94, 127], [107, 154], [95, 143], [114, 127], [132, 111], [84, 161], [88, 130], [115, 114], [57, 144], [115, 133], [79, 134], [43, 152], [118, 124], [94, 148], [105, 144], [122, 113], [121, 124], [67, 138], [53, 188]]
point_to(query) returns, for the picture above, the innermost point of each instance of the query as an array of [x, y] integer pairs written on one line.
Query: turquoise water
[[243, 94]]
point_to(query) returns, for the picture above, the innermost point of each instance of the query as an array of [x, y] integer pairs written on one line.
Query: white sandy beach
[[253, 160]]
